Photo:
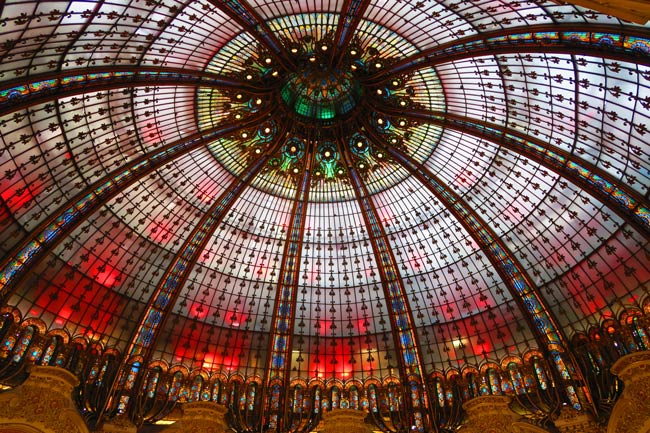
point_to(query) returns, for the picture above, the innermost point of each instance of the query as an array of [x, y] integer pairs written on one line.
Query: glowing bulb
[[238, 116], [359, 144], [361, 165], [353, 67], [380, 155], [239, 96], [328, 154], [312, 59], [268, 60], [267, 130], [402, 103], [295, 170], [324, 48], [380, 121], [244, 135], [258, 101], [402, 123], [395, 83], [380, 92], [394, 140], [275, 73], [353, 52], [377, 65], [293, 149], [340, 171], [294, 50], [258, 151], [249, 77]]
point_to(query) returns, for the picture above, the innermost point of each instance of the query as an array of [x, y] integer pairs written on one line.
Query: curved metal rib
[[629, 204], [616, 42], [48, 234]]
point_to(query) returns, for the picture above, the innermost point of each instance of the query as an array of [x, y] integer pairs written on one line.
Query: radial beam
[[401, 316], [178, 271], [168, 289], [522, 289], [21, 93], [617, 42], [61, 223], [247, 17], [278, 365], [629, 204], [349, 18]]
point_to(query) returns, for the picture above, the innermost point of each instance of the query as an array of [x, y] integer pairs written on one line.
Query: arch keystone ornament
[[631, 414], [43, 402]]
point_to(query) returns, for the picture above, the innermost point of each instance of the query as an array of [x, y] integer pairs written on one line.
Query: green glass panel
[[321, 95]]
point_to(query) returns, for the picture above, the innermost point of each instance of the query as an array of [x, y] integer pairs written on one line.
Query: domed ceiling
[[323, 189]]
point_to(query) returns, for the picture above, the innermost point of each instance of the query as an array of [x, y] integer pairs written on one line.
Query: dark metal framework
[[49, 98]]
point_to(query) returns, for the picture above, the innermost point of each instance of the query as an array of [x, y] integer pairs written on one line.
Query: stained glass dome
[[369, 196]]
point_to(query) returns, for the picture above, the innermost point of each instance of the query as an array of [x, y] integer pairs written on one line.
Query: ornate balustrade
[[527, 381]]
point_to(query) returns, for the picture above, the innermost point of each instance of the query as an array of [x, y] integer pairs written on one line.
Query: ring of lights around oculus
[[321, 95], [243, 59]]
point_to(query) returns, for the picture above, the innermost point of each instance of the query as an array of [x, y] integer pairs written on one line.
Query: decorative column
[[572, 421], [631, 413], [492, 414], [200, 417], [344, 421], [43, 402]]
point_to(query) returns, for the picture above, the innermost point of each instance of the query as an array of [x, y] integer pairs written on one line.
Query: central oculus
[[321, 94]]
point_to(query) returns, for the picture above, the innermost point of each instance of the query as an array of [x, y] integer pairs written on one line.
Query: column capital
[[631, 413], [43, 401], [344, 421], [489, 414], [200, 417], [573, 421]]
